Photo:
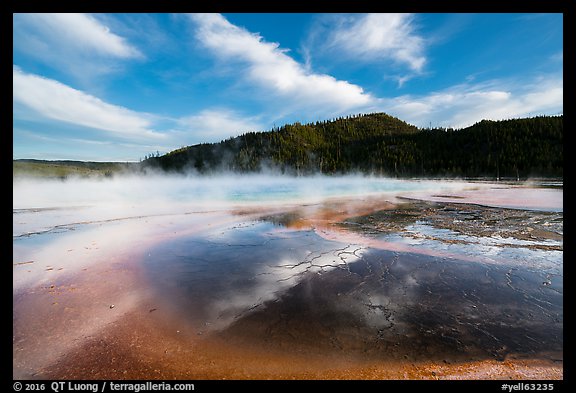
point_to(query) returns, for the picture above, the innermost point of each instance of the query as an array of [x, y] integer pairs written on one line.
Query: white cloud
[[214, 125], [269, 66], [35, 96], [464, 105], [78, 44], [370, 37], [78, 31], [57, 101]]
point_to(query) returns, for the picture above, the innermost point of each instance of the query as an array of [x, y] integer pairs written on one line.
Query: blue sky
[[116, 87]]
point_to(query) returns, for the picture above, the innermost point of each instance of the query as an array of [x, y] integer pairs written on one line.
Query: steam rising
[[69, 224], [165, 193]]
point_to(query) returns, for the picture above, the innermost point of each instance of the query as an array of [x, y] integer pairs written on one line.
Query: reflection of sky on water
[[217, 270], [220, 275], [254, 279], [223, 276]]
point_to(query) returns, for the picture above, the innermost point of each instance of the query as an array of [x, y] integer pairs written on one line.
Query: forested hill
[[381, 144]]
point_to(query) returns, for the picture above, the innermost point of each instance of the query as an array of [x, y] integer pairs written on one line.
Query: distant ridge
[[380, 144], [66, 168]]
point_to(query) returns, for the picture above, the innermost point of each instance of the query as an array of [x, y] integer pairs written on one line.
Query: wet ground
[[475, 283], [356, 288]]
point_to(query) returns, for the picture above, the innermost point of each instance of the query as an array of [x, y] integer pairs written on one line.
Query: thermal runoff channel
[[270, 276]]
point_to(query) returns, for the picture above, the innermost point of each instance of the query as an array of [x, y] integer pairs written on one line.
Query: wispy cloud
[[38, 97], [82, 147], [379, 37], [54, 100], [214, 125], [273, 70], [559, 57], [466, 104], [76, 43], [83, 32]]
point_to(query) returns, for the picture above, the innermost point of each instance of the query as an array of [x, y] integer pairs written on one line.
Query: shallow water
[[219, 276], [348, 266], [257, 283]]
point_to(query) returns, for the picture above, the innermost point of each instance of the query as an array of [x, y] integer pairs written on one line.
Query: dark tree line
[[381, 144]]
